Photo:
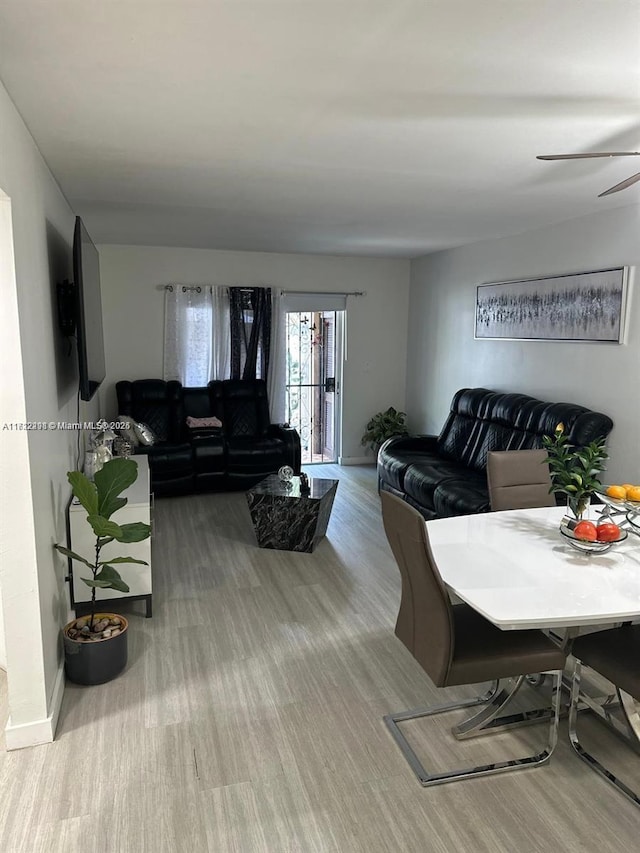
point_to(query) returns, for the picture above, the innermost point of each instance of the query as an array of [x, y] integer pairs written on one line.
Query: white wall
[[443, 355], [377, 323], [39, 384]]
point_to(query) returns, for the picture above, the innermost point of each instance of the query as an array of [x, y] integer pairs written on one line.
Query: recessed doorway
[[313, 380]]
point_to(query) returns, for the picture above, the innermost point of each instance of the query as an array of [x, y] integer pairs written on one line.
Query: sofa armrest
[[290, 437], [409, 443]]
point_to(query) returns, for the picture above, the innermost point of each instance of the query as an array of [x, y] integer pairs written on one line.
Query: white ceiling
[[333, 126]]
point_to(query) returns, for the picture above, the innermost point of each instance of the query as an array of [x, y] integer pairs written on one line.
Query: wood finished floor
[[249, 718]]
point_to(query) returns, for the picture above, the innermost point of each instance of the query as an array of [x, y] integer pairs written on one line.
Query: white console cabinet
[[82, 541]]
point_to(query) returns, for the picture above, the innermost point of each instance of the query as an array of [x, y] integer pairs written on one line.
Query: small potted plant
[[382, 426], [574, 470], [95, 646]]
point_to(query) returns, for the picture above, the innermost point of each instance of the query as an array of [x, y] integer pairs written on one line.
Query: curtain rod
[[196, 287], [325, 292], [184, 287]]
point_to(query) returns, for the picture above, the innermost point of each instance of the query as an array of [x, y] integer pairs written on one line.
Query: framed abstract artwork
[[586, 306]]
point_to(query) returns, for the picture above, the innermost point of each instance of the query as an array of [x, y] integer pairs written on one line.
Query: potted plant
[[382, 426], [95, 646], [574, 470]]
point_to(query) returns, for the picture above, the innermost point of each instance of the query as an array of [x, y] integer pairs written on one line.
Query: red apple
[[585, 530], [608, 532]]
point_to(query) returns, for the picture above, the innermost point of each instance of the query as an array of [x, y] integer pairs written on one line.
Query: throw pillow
[[195, 423], [128, 431], [145, 434]]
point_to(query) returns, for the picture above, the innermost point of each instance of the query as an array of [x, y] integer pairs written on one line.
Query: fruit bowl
[[617, 503], [587, 546], [633, 518]]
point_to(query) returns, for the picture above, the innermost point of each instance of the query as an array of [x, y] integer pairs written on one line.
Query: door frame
[[338, 371]]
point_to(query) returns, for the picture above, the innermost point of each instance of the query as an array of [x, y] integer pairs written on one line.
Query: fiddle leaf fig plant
[[382, 426], [100, 500]]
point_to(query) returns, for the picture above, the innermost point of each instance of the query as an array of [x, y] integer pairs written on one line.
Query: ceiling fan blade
[[588, 156], [622, 185]]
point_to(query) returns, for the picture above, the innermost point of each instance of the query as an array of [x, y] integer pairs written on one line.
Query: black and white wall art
[[586, 306]]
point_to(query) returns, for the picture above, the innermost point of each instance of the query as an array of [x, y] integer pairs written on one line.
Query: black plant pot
[[96, 661]]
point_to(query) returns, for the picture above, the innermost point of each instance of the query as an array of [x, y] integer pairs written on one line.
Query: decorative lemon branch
[[574, 470]]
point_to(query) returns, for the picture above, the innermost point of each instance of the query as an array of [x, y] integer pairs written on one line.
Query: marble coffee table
[[287, 519]]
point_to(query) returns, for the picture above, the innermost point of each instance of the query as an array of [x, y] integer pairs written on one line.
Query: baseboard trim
[[39, 731], [356, 460]]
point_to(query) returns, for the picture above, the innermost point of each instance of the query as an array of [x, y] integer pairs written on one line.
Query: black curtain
[[250, 309]]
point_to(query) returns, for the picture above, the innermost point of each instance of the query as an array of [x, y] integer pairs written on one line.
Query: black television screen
[[86, 273]]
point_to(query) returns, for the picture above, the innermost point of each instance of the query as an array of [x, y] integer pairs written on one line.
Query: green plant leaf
[[99, 584], [109, 575], [135, 532], [117, 504], [382, 426], [84, 490], [120, 586], [102, 527], [68, 553], [114, 477], [122, 560]]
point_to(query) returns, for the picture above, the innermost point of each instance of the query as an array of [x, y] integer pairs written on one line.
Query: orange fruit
[[626, 486], [633, 494], [619, 492]]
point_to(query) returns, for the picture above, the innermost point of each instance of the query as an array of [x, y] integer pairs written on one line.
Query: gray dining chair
[[518, 479], [615, 654], [455, 645]]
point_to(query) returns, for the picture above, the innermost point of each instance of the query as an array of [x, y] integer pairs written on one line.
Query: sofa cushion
[[145, 434], [245, 408], [209, 454], [169, 460], [482, 420], [462, 496], [254, 454], [202, 402], [396, 468], [154, 402], [423, 477], [127, 430], [398, 454]]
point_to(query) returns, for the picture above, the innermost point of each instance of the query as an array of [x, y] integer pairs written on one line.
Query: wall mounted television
[[89, 334]]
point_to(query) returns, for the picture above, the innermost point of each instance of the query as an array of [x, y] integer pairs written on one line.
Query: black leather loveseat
[[445, 475], [245, 449]]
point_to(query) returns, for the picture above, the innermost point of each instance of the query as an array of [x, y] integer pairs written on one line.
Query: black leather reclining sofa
[[445, 475], [245, 449]]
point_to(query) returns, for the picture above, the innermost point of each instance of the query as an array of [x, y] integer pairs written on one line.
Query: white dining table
[[518, 571]]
